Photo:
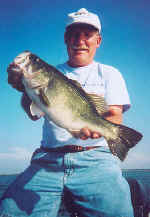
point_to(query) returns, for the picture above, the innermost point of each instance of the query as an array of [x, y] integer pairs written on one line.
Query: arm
[[116, 97], [114, 115], [26, 102]]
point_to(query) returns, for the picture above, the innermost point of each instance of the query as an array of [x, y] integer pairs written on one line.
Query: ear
[[99, 39]]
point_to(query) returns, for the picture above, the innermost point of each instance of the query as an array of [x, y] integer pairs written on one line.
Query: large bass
[[66, 104]]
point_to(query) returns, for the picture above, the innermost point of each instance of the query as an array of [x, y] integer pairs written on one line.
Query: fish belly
[[64, 117]]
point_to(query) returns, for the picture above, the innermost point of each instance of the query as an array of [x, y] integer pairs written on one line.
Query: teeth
[[79, 48]]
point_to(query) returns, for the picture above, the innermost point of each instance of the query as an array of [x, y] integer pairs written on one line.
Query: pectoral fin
[[35, 110], [43, 98]]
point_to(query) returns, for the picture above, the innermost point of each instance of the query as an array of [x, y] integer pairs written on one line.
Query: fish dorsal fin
[[76, 83], [35, 110], [98, 101]]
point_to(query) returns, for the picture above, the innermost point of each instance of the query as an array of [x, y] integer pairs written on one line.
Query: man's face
[[82, 42]]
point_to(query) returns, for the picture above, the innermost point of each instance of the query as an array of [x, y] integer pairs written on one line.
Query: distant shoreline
[[12, 174], [148, 170]]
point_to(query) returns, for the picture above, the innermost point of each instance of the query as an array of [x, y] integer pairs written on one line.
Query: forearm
[[114, 114], [26, 102]]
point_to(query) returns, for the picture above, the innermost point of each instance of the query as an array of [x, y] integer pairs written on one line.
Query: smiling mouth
[[79, 49]]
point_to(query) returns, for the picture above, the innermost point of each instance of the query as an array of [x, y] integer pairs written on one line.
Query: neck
[[75, 65]]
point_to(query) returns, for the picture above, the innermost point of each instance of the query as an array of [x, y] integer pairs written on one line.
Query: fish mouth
[[21, 57], [22, 62]]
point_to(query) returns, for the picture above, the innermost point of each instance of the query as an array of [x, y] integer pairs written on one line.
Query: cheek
[[91, 44], [69, 50], [70, 41], [69, 44], [92, 48]]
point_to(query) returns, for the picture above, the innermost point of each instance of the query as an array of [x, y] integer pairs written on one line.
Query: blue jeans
[[91, 181]]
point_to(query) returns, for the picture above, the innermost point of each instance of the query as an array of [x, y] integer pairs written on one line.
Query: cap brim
[[82, 24]]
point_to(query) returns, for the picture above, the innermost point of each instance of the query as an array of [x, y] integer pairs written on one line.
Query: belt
[[69, 149]]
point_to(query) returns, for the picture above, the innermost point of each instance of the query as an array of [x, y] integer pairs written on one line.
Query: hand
[[15, 77], [26, 102], [86, 133]]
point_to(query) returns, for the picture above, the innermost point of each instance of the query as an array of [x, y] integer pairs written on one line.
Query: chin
[[80, 60]]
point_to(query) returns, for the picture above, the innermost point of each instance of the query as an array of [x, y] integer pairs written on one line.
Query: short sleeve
[[116, 90]]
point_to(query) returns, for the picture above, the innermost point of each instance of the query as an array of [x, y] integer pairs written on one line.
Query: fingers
[[95, 135], [86, 133]]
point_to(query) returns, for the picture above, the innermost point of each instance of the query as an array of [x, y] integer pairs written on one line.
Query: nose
[[79, 38]]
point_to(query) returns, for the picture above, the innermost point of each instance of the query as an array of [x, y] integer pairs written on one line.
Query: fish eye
[[33, 58]]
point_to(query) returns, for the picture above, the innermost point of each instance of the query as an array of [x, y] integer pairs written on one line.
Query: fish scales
[[75, 100]]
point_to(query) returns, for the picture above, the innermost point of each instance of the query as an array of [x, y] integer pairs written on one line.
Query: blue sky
[[38, 26]]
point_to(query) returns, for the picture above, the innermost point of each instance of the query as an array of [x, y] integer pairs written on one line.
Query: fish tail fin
[[127, 138]]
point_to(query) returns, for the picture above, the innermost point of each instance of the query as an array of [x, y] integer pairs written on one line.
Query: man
[[92, 179]]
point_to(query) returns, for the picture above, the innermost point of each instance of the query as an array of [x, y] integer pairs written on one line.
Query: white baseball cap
[[85, 17]]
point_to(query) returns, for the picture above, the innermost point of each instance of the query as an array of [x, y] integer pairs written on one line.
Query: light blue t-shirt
[[96, 78]]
